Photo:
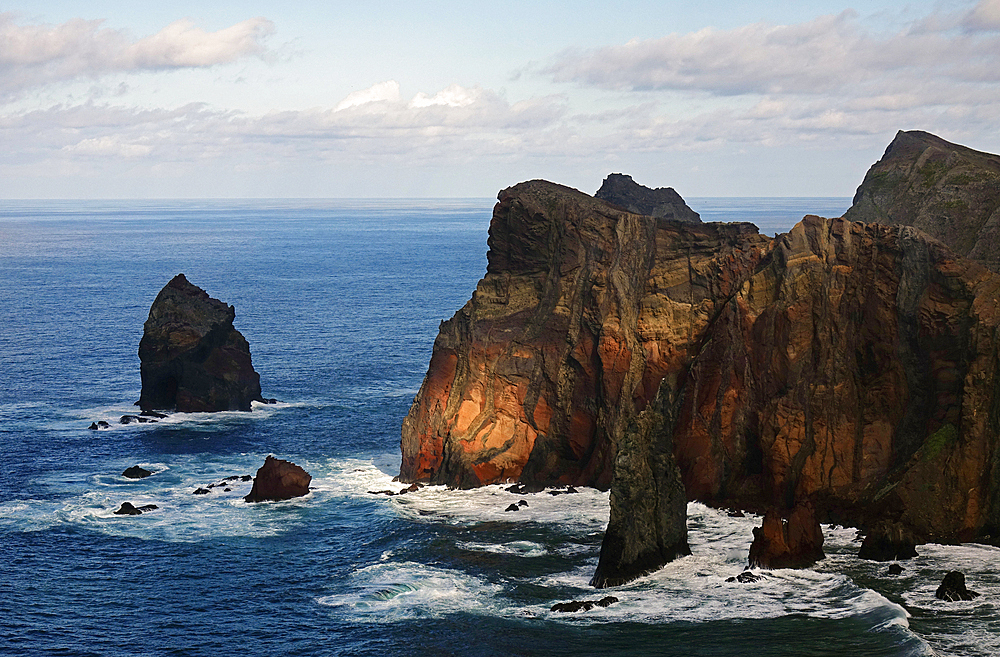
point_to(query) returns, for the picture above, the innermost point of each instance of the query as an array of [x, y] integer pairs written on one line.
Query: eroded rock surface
[[948, 191], [192, 358], [662, 202], [953, 588]]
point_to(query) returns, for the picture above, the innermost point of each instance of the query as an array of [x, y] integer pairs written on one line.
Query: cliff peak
[[950, 192]]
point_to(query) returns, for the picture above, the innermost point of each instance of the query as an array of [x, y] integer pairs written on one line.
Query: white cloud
[[830, 54], [35, 55], [985, 16], [382, 92]]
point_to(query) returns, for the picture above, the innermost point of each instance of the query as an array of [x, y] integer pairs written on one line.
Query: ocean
[[340, 301]]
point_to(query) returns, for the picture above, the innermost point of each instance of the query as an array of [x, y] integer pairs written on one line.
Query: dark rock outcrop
[[850, 365], [583, 605], [888, 541], [948, 191], [192, 358], [129, 509], [895, 569], [746, 577], [278, 480], [953, 588], [136, 472], [795, 541], [663, 202]]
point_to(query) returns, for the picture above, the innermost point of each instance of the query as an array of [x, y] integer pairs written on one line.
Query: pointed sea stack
[[192, 358]]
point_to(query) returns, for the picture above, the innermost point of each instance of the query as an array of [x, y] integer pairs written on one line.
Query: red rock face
[[853, 365]]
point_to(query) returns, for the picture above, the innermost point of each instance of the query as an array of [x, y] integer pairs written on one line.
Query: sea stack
[[192, 358], [663, 202]]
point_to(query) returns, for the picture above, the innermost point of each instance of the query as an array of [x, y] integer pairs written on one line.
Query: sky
[[387, 99]]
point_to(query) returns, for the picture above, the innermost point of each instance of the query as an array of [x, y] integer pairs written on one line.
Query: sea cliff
[[851, 367]]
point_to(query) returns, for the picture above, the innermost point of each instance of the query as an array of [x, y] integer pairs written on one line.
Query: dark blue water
[[340, 302]]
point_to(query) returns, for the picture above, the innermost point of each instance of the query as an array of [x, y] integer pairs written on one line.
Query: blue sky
[[396, 99]]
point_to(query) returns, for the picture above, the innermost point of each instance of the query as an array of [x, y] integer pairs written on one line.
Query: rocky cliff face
[[662, 202], [850, 366], [584, 309], [948, 191], [192, 358]]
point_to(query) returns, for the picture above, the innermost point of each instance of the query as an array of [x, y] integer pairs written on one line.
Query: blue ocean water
[[340, 301]]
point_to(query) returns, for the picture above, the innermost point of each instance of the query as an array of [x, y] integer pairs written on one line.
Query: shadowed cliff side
[[948, 191]]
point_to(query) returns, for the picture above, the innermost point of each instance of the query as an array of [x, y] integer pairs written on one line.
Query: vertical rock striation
[[192, 358]]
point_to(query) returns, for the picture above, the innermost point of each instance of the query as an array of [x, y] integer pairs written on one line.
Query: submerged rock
[[662, 202], [746, 577], [136, 472], [584, 605], [792, 541], [192, 358], [953, 588], [278, 480]]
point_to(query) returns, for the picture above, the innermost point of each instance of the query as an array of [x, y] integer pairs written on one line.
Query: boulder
[[663, 202], [792, 540], [895, 569], [192, 358], [278, 480], [136, 472], [953, 588], [888, 541]]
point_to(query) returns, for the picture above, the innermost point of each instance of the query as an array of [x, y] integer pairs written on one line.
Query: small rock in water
[[522, 502], [583, 605], [382, 492], [953, 588], [895, 569], [746, 577], [202, 491], [129, 509], [413, 488], [513, 507], [136, 472]]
